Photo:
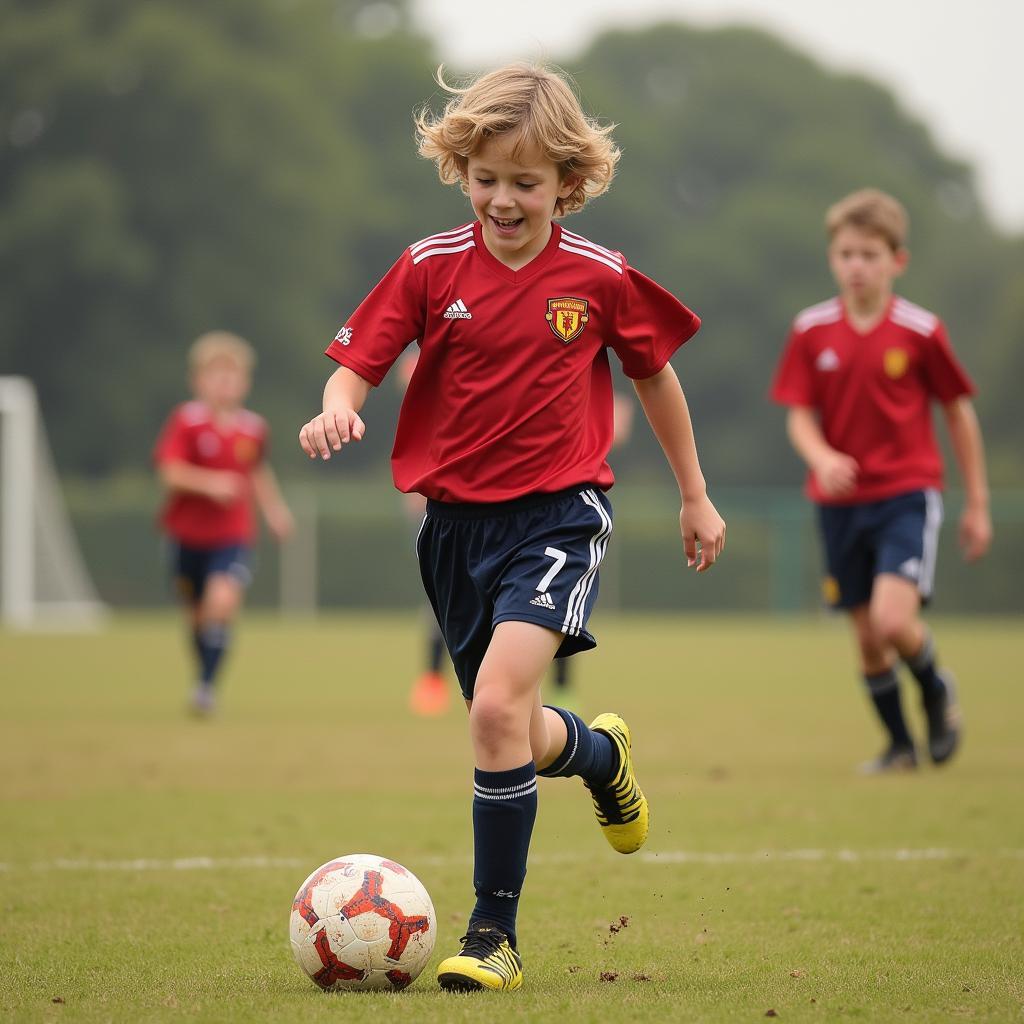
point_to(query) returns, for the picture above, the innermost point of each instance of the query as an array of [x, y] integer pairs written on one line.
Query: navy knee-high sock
[[211, 642], [589, 754], [922, 665], [504, 810], [884, 688]]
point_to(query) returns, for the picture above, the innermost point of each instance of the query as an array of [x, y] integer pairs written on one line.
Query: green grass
[[774, 878]]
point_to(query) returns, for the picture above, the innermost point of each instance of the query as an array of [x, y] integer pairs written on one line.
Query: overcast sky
[[956, 64]]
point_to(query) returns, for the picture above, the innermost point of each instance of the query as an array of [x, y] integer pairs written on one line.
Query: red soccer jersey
[[192, 435], [512, 393], [873, 393]]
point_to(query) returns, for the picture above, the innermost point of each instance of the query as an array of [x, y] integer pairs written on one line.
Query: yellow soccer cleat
[[487, 961], [620, 806]]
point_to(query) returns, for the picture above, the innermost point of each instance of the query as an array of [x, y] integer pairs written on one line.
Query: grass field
[[148, 860]]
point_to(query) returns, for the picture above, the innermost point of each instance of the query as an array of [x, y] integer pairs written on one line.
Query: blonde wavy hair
[[532, 106], [871, 210]]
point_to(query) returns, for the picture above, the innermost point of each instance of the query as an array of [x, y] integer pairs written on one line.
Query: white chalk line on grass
[[663, 857]]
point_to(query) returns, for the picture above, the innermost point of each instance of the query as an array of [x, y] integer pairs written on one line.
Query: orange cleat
[[429, 695]]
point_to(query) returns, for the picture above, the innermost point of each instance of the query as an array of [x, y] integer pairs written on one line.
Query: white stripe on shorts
[[419, 533], [573, 623], [930, 540]]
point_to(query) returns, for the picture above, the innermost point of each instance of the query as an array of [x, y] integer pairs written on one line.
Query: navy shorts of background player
[[896, 535], [532, 559], [192, 567]]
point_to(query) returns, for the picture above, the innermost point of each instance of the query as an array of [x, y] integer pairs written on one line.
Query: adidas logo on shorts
[[457, 311], [544, 601]]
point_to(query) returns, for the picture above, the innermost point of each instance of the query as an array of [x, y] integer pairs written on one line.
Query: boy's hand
[[329, 431], [701, 524], [975, 532], [224, 486], [836, 474]]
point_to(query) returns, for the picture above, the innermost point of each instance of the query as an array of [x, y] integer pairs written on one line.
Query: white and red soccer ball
[[362, 922]]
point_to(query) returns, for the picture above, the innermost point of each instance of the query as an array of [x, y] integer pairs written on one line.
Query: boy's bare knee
[[491, 719], [891, 626]]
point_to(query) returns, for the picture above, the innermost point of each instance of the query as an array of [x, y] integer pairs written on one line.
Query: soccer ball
[[362, 922]]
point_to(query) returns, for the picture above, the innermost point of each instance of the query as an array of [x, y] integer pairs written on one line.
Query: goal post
[[43, 580]]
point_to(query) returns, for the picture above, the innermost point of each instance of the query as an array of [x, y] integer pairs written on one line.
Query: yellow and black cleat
[[620, 805], [487, 961]]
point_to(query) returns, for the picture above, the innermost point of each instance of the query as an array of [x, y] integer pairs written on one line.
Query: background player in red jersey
[[859, 374], [505, 428], [211, 457]]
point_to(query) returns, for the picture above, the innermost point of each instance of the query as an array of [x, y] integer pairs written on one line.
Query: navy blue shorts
[[897, 535], [192, 567], [534, 559]]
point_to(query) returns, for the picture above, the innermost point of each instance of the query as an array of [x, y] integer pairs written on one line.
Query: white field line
[[663, 857]]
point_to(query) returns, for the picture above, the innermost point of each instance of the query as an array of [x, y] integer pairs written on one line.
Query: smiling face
[[864, 266], [514, 201]]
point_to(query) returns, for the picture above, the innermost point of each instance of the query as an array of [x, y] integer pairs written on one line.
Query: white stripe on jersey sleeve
[[918, 319], [443, 237], [573, 239], [443, 249], [597, 257], [826, 312]]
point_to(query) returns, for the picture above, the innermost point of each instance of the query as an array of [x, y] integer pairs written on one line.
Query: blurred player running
[[859, 374], [211, 458]]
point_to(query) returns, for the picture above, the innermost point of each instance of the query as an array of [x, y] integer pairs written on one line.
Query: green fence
[[355, 549]]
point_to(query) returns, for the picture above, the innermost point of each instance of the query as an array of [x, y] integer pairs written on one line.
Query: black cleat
[[944, 720], [897, 758]]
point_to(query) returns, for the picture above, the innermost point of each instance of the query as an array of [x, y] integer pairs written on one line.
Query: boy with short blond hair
[[211, 458], [859, 374], [505, 428]]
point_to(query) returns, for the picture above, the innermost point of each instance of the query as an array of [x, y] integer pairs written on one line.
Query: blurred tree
[[173, 165], [167, 167], [734, 146]]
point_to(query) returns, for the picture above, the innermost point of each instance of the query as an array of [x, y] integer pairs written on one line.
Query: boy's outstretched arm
[[221, 485], [339, 423], [969, 449], [271, 502], [835, 471], [664, 405]]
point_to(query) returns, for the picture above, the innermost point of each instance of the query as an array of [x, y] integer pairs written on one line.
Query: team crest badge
[[567, 317], [246, 450], [895, 362]]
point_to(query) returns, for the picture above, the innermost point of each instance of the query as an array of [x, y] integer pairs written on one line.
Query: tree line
[[171, 166]]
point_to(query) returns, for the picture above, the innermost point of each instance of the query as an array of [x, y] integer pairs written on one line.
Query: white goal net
[[43, 580]]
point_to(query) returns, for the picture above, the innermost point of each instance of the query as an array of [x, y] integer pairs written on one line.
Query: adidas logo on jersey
[[544, 601], [457, 311], [827, 360]]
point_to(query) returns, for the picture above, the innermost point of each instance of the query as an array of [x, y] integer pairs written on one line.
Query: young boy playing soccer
[[505, 427], [211, 457], [858, 374]]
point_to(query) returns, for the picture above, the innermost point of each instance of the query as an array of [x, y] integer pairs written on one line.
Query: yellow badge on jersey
[[246, 450], [895, 362], [567, 317], [830, 590]]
